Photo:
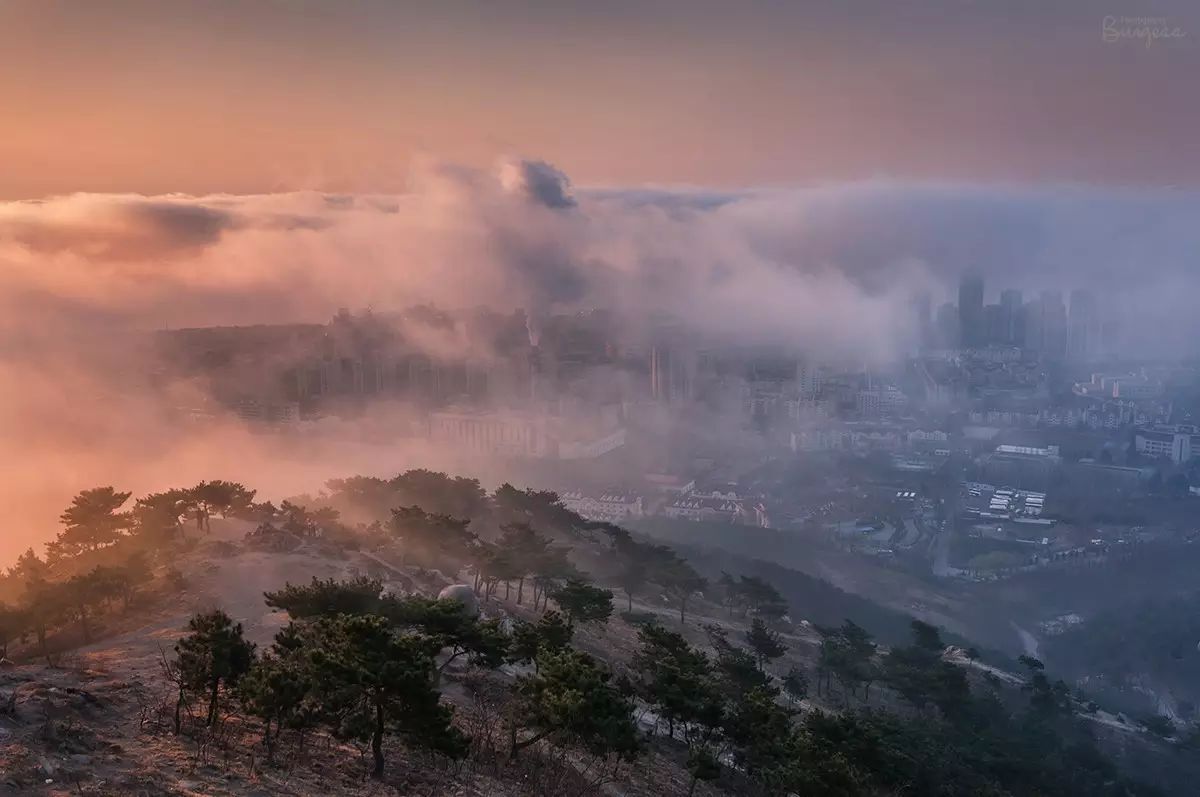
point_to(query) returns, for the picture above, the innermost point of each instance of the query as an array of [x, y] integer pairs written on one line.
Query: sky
[[206, 96]]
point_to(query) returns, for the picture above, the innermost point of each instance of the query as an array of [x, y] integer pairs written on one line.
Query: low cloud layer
[[518, 237], [829, 269], [825, 267]]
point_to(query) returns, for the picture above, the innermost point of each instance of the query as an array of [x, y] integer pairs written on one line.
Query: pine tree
[[681, 580], [448, 627], [13, 624], [550, 633], [680, 683], [372, 680], [225, 498], [328, 597], [159, 517], [584, 603], [795, 684], [91, 522], [276, 690], [765, 643], [572, 700], [214, 654]]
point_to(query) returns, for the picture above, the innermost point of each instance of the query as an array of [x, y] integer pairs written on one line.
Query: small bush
[[176, 580], [639, 619], [223, 549]]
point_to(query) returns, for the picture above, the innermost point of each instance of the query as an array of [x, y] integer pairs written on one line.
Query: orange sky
[[153, 96]]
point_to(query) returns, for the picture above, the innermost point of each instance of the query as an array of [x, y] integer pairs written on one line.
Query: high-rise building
[[970, 311], [1083, 327], [1110, 336], [1053, 325], [808, 379], [993, 324], [672, 373], [947, 325], [1014, 331], [923, 311], [1032, 331]]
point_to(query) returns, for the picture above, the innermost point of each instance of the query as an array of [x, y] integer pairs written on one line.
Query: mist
[[829, 270]]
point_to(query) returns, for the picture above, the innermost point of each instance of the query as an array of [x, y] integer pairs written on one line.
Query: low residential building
[[1176, 443], [717, 506], [505, 433], [515, 433], [592, 447], [924, 439], [1027, 467], [884, 399], [670, 483], [278, 412], [1128, 387], [611, 506], [1090, 476]]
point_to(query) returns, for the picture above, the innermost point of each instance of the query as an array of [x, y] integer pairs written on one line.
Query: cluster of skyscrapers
[[1073, 329]]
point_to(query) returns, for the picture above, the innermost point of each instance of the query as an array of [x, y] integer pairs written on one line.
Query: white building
[[505, 433], [1129, 387], [918, 436], [883, 399], [611, 506], [514, 433], [848, 437], [717, 506], [591, 448], [1176, 443]]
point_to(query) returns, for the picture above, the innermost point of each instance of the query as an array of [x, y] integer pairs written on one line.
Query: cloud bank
[[518, 237], [826, 267], [829, 269]]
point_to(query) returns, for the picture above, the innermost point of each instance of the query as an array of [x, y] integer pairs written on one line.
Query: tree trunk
[[629, 598], [507, 587], [212, 702], [179, 712], [519, 746], [520, 589], [682, 608], [268, 741], [692, 786], [377, 742]]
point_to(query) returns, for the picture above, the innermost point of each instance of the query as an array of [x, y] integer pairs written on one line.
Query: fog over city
[[830, 270], [828, 266]]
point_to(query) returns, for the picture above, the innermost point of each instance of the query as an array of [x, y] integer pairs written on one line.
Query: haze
[[798, 175], [212, 97]]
